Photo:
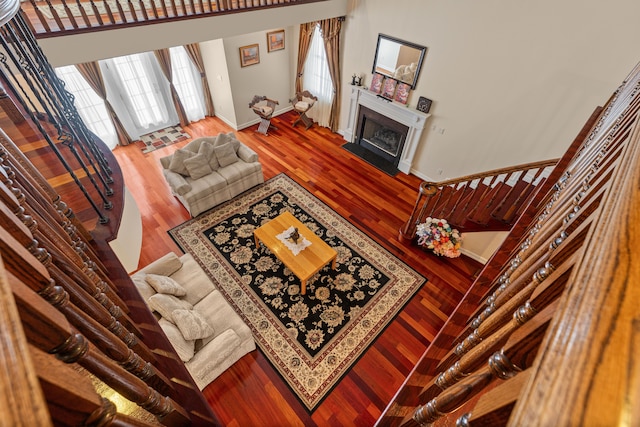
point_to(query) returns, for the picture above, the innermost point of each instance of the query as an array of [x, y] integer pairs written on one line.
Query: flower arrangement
[[437, 235]]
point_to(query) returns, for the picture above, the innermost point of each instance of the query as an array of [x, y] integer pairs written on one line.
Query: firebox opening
[[379, 140]]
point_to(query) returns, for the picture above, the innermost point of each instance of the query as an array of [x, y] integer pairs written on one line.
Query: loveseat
[[207, 334], [211, 170]]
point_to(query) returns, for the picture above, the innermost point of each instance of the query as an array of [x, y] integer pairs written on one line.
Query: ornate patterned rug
[[312, 339], [161, 138]]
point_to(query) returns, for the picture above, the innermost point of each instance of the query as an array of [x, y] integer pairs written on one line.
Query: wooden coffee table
[[309, 261]]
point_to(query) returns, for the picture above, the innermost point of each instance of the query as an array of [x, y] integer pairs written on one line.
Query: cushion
[[309, 101], [206, 148], [165, 305], [177, 161], [184, 348], [301, 106], [198, 166], [165, 285], [192, 324], [226, 154]]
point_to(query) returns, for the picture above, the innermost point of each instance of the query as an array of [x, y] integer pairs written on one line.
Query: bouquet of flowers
[[437, 235]]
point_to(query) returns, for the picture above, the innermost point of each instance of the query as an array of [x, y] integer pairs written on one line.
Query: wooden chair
[[264, 107], [302, 102]]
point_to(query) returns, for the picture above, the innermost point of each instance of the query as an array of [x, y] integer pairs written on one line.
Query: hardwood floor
[[251, 393]]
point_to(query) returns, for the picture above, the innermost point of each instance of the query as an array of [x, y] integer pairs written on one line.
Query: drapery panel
[[304, 43], [193, 50], [164, 60], [93, 75], [330, 30]]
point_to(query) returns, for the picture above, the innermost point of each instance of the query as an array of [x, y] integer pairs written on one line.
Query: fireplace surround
[[389, 131]]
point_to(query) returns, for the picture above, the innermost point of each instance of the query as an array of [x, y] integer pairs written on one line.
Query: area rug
[[162, 138], [313, 339]]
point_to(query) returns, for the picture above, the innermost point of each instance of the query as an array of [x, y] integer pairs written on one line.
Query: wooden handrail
[[428, 190], [65, 17], [494, 172]]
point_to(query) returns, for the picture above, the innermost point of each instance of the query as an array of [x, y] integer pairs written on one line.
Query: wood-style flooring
[[251, 392]]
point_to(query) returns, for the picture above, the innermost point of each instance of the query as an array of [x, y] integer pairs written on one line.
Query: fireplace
[[381, 135], [382, 132]]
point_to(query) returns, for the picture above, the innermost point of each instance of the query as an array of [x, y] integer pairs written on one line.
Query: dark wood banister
[[429, 189], [124, 14]]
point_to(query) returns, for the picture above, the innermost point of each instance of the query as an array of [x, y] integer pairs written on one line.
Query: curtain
[[92, 74], [306, 33], [139, 93], [330, 30], [317, 80], [164, 60], [193, 50], [186, 79]]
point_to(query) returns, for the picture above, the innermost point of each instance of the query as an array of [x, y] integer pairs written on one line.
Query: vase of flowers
[[437, 235]]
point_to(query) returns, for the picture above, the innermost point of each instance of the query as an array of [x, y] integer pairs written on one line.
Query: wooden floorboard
[[251, 392]]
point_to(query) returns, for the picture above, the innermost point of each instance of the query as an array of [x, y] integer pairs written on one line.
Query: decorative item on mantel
[[437, 235], [356, 80]]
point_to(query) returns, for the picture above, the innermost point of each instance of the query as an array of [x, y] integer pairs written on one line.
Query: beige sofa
[[208, 335], [211, 170]]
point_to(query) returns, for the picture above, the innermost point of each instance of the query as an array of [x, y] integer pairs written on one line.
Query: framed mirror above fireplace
[[398, 59]]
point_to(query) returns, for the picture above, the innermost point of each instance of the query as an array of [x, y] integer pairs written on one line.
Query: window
[[135, 77], [89, 105], [186, 80], [317, 80]]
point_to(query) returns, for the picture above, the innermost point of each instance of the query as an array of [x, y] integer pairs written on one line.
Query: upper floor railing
[[50, 18]]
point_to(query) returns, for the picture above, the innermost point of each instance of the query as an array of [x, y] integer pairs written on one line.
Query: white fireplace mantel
[[415, 120]]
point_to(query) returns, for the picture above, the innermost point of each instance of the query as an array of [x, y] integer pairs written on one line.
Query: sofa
[[207, 334], [211, 170]]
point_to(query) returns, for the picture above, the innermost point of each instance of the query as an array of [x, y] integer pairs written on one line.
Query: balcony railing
[[50, 18]]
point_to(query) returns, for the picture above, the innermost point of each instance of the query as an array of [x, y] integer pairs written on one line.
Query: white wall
[[215, 64], [511, 82], [272, 77]]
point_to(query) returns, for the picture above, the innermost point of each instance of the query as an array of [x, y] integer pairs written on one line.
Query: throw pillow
[[184, 348], [226, 154], [165, 285], [192, 324], [206, 148], [165, 305], [225, 138], [198, 166], [177, 161]]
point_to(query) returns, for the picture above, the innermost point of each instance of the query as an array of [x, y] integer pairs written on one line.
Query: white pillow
[[192, 324], [184, 348], [165, 285], [165, 305]]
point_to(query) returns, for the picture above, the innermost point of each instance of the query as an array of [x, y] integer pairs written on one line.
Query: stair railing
[[457, 198]]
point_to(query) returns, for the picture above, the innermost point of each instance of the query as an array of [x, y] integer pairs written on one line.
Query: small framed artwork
[[389, 88], [275, 40], [424, 104], [376, 83], [402, 93], [249, 55]]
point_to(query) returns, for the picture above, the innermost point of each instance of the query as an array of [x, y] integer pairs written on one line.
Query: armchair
[[302, 103], [264, 108]]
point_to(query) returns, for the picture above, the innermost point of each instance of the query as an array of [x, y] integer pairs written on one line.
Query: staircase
[[488, 201], [492, 200]]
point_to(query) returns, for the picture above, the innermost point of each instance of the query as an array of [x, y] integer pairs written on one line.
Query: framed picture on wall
[[249, 55], [389, 88], [275, 40]]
